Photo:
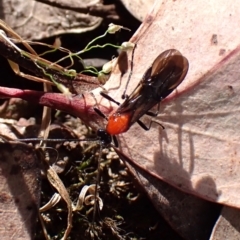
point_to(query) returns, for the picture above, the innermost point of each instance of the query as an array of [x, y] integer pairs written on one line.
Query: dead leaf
[[138, 8], [24, 16], [56, 182], [20, 190], [227, 226]]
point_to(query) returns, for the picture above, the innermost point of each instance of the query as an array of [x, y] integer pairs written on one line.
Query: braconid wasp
[[165, 74]]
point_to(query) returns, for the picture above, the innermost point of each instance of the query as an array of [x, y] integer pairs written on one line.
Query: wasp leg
[[100, 113], [105, 95], [147, 128], [153, 114], [115, 141]]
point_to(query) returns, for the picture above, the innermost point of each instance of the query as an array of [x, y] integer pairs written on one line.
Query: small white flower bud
[[127, 46]]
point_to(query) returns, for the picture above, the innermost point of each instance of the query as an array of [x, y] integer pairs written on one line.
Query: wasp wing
[[168, 71]]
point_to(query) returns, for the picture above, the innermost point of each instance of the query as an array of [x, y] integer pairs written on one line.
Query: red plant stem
[[80, 105]]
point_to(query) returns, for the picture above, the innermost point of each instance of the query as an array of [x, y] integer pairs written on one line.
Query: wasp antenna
[[55, 140], [96, 185], [115, 141]]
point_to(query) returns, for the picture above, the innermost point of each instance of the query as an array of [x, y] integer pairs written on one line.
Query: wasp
[[161, 78]]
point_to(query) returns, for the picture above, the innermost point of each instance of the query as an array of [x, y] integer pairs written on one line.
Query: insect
[[161, 78]]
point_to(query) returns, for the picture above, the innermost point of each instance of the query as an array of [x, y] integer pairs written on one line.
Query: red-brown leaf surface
[[20, 188]]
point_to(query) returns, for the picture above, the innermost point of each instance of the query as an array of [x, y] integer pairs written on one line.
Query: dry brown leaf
[[138, 8], [34, 20], [56, 182], [20, 190], [192, 217], [227, 226]]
